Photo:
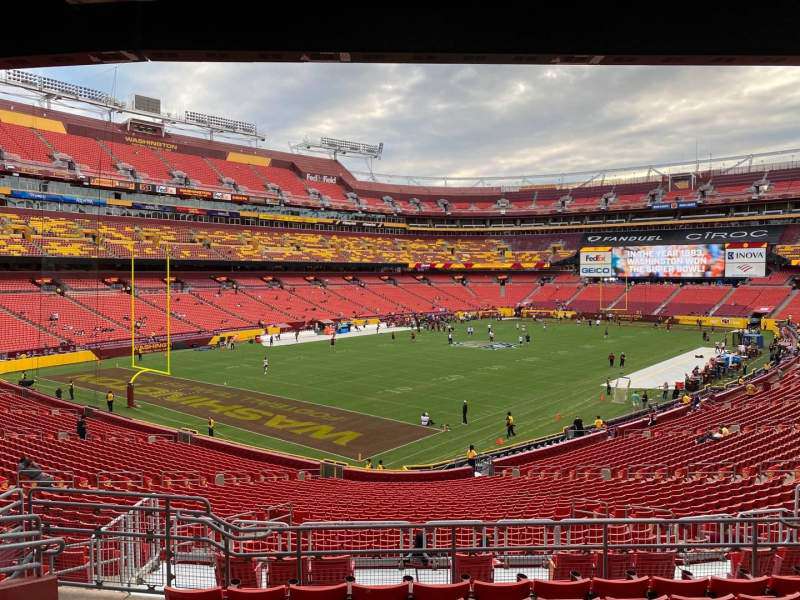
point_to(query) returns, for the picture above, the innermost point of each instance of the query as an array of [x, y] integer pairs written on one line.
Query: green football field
[[545, 384]]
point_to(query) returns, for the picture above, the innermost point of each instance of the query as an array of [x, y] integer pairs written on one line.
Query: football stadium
[[234, 371]]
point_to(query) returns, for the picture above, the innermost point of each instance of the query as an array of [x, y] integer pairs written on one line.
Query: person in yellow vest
[[599, 423], [750, 390], [472, 456], [369, 464], [110, 400], [510, 426], [211, 424], [686, 398], [380, 466]]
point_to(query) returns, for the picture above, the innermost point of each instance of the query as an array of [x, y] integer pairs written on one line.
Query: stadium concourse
[[262, 243]]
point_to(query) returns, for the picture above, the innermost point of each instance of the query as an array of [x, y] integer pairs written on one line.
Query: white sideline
[[670, 370], [308, 335]]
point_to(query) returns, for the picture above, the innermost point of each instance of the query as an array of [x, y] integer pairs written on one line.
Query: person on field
[[110, 401], [211, 424], [577, 427], [621, 359], [636, 399], [72, 389], [464, 409], [664, 391], [59, 393], [510, 426], [265, 364], [450, 338], [380, 466], [368, 465], [611, 359]]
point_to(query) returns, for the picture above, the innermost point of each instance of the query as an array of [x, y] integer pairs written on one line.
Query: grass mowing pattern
[[545, 384]]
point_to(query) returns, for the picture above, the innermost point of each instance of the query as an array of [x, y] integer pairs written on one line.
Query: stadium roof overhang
[[75, 32]]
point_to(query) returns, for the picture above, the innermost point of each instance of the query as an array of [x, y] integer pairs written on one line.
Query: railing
[[23, 550], [154, 540]]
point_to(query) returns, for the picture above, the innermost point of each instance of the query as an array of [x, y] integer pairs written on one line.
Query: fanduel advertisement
[[745, 262], [769, 233]]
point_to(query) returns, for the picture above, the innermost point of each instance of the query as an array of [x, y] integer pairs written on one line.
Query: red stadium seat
[[720, 586], [563, 564], [280, 571], [274, 593], [380, 592], [322, 592], [741, 562], [787, 562], [619, 588], [501, 591], [561, 590], [784, 585], [480, 567], [445, 591], [725, 597], [654, 564], [794, 596], [330, 570], [181, 594], [618, 564], [243, 569], [664, 586]]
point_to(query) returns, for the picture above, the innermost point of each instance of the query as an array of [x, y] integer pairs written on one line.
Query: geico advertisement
[[596, 264]]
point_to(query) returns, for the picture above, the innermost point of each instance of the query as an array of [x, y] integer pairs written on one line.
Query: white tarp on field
[[670, 370]]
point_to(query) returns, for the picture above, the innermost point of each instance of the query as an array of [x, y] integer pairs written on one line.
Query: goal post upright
[[138, 368]]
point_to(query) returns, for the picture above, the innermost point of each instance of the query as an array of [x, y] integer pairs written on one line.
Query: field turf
[[545, 384]]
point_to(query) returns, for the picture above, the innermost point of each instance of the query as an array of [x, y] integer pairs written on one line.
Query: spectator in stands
[[28, 470], [577, 427], [110, 401], [472, 456], [80, 427], [750, 390], [652, 418], [599, 423], [686, 399], [59, 393]]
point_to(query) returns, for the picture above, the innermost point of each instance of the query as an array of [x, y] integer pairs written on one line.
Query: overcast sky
[[468, 120]]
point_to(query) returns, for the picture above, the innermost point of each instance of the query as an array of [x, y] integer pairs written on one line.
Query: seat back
[[620, 588], [617, 565], [447, 591], [243, 569], [380, 592], [179, 594], [654, 564], [273, 593], [783, 586], [794, 596], [690, 588], [564, 563], [501, 591], [280, 571], [561, 590], [720, 586], [742, 560], [480, 567], [319, 592], [329, 570], [787, 560]]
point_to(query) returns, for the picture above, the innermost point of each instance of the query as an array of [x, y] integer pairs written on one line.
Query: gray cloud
[[469, 120]]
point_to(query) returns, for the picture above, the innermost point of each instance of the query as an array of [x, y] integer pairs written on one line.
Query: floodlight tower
[[333, 147]]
